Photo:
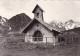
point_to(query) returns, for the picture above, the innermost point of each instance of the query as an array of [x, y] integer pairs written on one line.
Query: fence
[[50, 40]]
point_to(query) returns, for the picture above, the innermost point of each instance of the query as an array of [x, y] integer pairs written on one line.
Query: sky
[[57, 10]]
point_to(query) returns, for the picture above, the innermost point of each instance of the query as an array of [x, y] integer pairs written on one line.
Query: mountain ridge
[[70, 24], [18, 22]]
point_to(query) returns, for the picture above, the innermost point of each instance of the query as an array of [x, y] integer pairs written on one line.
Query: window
[[62, 39], [37, 14]]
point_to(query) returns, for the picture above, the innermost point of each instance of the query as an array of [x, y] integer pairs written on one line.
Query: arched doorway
[[37, 36]]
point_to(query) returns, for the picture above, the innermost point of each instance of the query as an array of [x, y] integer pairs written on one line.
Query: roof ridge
[[43, 23]]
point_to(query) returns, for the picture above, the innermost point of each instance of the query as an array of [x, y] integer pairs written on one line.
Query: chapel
[[38, 31]]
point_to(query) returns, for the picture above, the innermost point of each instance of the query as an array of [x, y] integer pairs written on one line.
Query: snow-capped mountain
[[71, 24], [53, 23], [3, 26], [59, 25], [3, 20]]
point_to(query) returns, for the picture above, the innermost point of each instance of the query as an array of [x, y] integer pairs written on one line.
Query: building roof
[[51, 28], [29, 25], [48, 25], [37, 6]]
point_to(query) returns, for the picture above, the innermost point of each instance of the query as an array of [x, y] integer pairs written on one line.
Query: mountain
[[71, 24], [3, 26], [18, 22], [4, 29], [59, 25], [3, 20]]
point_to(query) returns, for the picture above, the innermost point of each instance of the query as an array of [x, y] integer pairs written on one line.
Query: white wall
[[45, 32]]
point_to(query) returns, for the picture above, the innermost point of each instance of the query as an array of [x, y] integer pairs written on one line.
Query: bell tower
[[38, 12]]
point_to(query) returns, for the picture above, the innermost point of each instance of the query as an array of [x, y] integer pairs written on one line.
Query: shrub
[[13, 42]]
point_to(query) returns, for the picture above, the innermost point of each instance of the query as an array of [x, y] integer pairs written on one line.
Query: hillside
[[3, 20], [18, 22], [3, 28]]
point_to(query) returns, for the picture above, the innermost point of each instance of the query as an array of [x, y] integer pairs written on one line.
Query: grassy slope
[[65, 50]]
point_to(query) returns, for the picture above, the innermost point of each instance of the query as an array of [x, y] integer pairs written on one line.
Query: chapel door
[[37, 36]]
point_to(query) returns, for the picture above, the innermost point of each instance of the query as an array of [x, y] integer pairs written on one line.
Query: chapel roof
[[29, 25], [51, 28]]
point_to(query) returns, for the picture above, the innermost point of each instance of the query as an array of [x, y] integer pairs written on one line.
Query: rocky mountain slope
[[3, 27], [3, 20]]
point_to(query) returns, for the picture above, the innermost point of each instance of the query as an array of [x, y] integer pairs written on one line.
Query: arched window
[[37, 36]]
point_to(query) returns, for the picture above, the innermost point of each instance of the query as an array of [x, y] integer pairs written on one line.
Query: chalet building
[[71, 36], [38, 31]]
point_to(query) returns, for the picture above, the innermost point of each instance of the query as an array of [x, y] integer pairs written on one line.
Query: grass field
[[29, 50], [57, 51]]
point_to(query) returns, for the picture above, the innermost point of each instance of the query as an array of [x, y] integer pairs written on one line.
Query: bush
[[13, 43], [45, 46]]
